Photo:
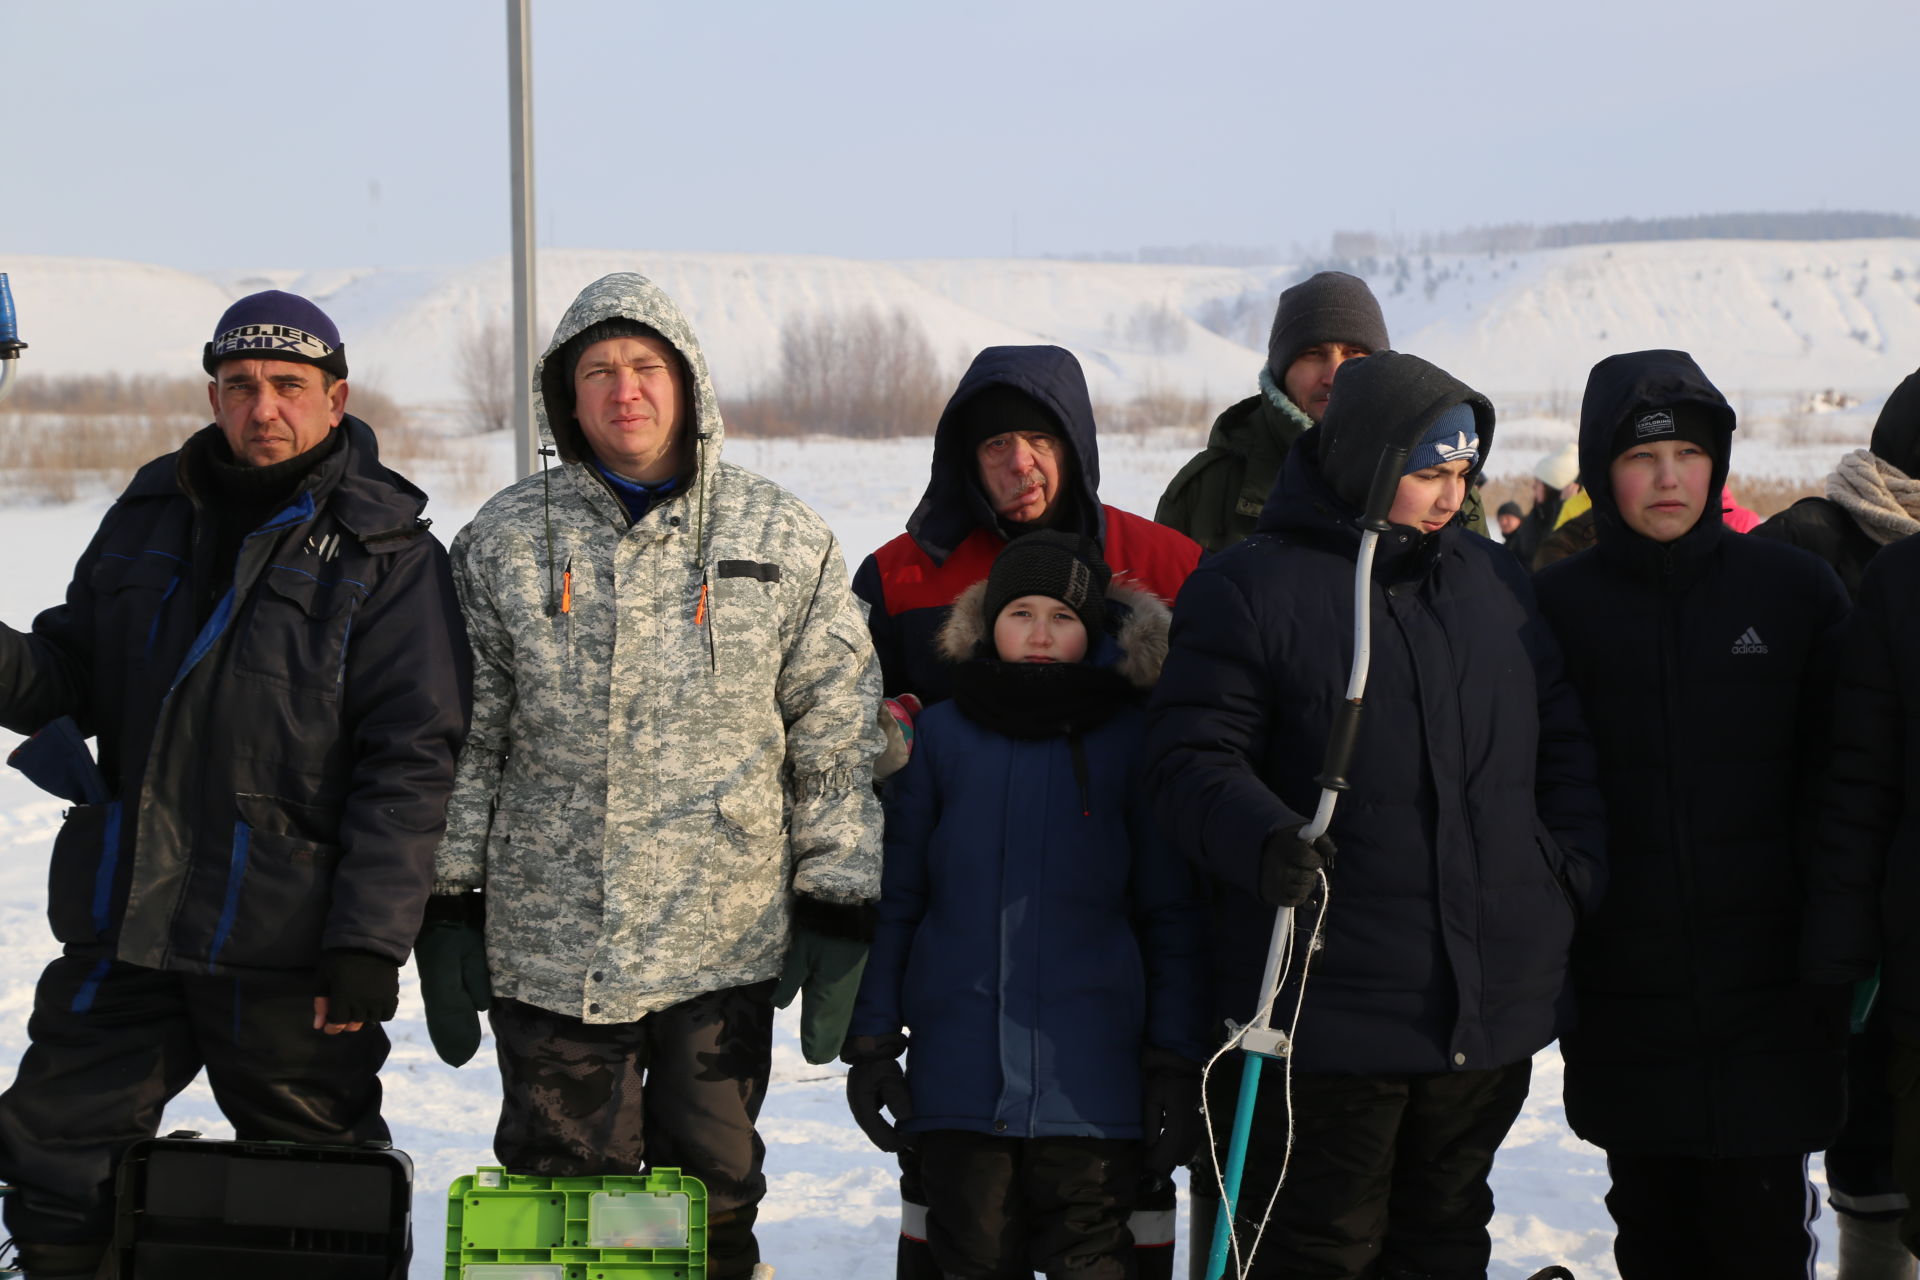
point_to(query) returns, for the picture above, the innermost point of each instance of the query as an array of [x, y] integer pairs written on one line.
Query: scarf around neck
[[1880, 497]]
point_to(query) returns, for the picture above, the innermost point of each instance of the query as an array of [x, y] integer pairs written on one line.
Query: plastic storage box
[[508, 1226], [189, 1209]]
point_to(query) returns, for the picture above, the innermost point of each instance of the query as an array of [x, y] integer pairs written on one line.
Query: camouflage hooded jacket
[[654, 771]]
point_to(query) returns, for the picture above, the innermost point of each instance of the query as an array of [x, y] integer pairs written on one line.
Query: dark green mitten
[[451, 953], [825, 959]]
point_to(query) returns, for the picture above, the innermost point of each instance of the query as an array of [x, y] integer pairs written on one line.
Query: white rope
[[1243, 1268]]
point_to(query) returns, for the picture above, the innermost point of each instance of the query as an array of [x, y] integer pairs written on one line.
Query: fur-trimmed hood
[[1135, 649]]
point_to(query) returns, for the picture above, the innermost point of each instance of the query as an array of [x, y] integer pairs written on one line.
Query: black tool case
[[189, 1209]]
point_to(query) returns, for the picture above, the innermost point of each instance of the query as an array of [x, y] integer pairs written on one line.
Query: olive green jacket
[[1216, 498]]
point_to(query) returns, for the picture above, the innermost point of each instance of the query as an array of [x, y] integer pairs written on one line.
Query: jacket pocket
[[276, 895], [1556, 864], [746, 626], [747, 907], [298, 631], [80, 874], [131, 594]]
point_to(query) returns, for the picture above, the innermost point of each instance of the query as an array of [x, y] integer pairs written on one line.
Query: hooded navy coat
[[1472, 833], [1036, 935], [1701, 666], [953, 535]]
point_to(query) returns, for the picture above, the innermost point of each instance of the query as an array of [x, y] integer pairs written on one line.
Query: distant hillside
[[1761, 315]]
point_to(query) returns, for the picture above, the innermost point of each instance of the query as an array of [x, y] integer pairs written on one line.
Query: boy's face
[[1661, 487], [1039, 629], [1428, 498]]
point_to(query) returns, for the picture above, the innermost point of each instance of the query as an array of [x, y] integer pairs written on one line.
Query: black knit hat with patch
[[1061, 566], [1694, 423]]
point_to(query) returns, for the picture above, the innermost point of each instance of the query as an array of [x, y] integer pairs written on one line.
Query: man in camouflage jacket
[[669, 771]]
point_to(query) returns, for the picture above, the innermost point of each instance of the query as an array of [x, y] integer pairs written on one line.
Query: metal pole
[[526, 436]]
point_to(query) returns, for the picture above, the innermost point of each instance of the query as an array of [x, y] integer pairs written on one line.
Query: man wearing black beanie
[[1014, 451], [1321, 323]]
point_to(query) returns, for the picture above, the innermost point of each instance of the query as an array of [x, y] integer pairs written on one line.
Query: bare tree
[[859, 373], [484, 366]]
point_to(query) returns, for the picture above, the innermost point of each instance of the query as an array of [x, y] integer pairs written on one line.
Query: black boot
[[60, 1261]]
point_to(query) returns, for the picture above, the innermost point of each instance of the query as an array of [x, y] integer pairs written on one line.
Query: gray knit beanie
[[1329, 307]]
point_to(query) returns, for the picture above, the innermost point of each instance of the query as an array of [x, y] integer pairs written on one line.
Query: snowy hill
[[1763, 317]]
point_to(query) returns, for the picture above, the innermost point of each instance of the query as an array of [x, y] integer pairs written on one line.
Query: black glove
[[451, 954], [1172, 1111], [359, 986], [1290, 867], [874, 1081]]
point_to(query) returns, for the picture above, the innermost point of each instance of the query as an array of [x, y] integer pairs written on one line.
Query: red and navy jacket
[[952, 537]]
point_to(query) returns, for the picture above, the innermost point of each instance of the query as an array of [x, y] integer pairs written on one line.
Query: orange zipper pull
[[700, 613], [566, 587]]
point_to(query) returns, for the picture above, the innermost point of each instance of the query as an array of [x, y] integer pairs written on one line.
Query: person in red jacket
[[1014, 452]]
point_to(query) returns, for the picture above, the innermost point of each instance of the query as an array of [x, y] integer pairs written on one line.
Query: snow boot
[[1871, 1250], [59, 1261]]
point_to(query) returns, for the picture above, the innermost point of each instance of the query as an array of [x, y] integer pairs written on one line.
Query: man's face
[[1508, 524], [1023, 473], [629, 399], [1309, 380], [272, 410], [1661, 487]]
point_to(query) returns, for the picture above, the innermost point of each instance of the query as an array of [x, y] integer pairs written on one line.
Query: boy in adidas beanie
[[1701, 1063]]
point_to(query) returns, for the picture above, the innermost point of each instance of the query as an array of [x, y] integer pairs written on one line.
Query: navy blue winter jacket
[[1472, 833], [1703, 665], [1036, 935], [279, 770]]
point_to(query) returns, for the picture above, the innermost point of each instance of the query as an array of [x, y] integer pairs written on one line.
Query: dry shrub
[[63, 437], [1153, 408], [1770, 495], [859, 373]]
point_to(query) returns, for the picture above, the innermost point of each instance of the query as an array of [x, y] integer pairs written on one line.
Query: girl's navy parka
[[1704, 665], [1036, 936], [1471, 837]]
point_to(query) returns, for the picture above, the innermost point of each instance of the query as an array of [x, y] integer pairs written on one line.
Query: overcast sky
[[374, 132]]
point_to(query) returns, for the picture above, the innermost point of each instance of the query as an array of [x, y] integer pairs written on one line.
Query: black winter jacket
[[1865, 883], [279, 774], [1701, 664], [1472, 835]]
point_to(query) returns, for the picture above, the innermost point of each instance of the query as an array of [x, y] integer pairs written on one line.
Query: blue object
[[9, 323], [56, 760]]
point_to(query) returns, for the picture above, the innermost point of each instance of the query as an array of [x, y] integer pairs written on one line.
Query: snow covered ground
[[830, 1212]]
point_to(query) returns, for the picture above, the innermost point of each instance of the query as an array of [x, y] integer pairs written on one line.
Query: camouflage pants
[[680, 1088]]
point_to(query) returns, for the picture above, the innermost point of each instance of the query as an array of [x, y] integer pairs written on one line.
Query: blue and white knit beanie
[[1454, 435], [274, 325]]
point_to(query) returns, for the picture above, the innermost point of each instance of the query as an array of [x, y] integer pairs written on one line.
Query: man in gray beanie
[[1321, 323]]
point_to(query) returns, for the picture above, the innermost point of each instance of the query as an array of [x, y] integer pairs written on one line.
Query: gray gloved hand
[[1290, 867]]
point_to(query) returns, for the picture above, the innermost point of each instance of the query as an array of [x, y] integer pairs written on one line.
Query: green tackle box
[[509, 1226]]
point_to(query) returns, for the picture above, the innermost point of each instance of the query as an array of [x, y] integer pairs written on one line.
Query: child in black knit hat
[[1039, 944]]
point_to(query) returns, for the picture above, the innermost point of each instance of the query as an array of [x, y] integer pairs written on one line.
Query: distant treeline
[[1515, 237]]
